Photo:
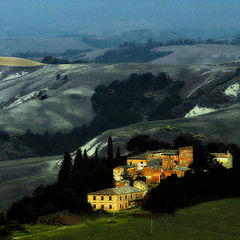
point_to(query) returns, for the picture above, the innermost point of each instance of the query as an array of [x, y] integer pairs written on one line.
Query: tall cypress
[[117, 160], [110, 149], [78, 161], [118, 156], [85, 156], [65, 169], [96, 155]]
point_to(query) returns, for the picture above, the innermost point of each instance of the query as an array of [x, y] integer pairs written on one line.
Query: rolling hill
[[198, 54], [222, 125], [211, 220], [18, 62], [67, 97], [67, 104]]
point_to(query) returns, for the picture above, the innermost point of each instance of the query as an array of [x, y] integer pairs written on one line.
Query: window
[[110, 198], [126, 197], [120, 198], [136, 196], [102, 207], [94, 197], [110, 206], [94, 206], [102, 197], [141, 162], [130, 163]]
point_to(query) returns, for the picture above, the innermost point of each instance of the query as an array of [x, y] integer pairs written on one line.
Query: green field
[[212, 220]]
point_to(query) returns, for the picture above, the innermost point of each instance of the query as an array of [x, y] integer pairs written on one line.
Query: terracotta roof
[[163, 151], [220, 155], [155, 163], [116, 191], [182, 168], [139, 156]]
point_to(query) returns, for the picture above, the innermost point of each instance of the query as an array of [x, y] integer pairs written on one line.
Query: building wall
[[168, 163], [141, 185], [179, 173], [118, 173], [132, 162], [118, 202], [226, 162], [185, 156]]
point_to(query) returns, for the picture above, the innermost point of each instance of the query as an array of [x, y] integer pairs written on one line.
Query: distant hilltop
[[18, 62]]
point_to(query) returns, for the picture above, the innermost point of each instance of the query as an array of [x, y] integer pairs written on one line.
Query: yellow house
[[225, 158], [115, 199]]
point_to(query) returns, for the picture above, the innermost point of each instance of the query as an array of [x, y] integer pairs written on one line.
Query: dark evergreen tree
[[78, 161], [85, 156], [96, 155], [118, 155], [110, 149], [117, 159], [65, 169]]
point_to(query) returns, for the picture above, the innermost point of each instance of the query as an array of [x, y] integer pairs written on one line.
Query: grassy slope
[[69, 101], [18, 62], [222, 125], [19, 178], [198, 54], [212, 220]]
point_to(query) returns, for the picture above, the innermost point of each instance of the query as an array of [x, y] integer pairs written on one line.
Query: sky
[[50, 17]]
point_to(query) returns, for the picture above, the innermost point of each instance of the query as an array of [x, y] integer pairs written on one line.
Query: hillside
[[210, 220], [198, 54], [12, 45], [221, 125], [23, 88], [18, 62], [21, 177], [179, 54]]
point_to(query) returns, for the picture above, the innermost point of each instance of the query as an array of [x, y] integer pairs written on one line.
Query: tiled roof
[[116, 191], [220, 155], [163, 151], [182, 168], [155, 163], [139, 156]]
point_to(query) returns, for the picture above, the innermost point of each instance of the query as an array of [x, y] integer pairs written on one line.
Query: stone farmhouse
[[156, 165], [119, 198], [225, 158]]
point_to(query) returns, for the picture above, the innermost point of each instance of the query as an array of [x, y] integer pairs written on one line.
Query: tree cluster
[[54, 60], [76, 179]]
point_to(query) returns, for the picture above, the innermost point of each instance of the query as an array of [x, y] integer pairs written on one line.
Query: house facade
[[225, 158], [118, 198]]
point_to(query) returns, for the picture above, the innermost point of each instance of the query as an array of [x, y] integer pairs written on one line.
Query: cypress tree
[[78, 161], [117, 160], [85, 156], [96, 155], [65, 169], [110, 149], [118, 156]]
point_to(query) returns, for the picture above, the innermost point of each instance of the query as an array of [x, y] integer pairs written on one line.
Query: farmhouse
[[156, 165], [118, 198], [225, 158]]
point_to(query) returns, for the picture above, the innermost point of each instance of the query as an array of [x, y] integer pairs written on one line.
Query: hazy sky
[[51, 16]]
